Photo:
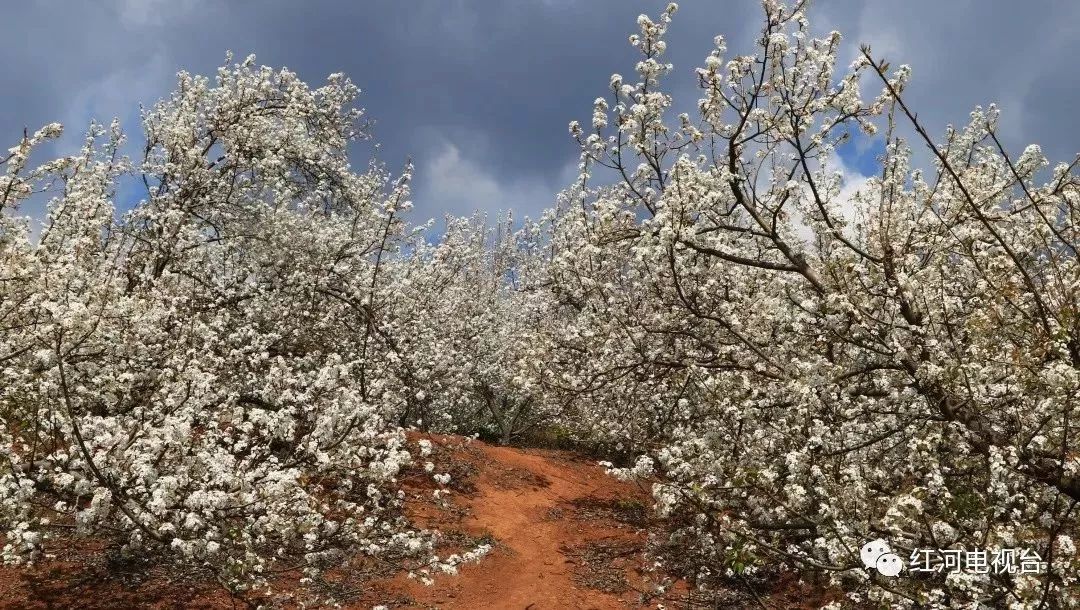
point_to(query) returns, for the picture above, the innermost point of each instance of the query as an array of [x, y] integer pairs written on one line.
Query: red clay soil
[[556, 520], [565, 536]]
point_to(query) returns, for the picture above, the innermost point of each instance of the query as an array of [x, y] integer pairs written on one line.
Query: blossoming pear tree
[[801, 370], [470, 320], [206, 375]]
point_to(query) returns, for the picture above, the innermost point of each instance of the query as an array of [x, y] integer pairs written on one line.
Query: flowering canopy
[[805, 370]]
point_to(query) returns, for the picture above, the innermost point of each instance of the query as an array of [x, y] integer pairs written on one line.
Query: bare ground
[[567, 536]]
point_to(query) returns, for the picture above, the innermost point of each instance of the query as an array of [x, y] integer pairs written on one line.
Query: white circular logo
[[890, 564]]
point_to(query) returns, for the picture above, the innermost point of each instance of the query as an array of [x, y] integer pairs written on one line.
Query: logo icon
[[876, 555]]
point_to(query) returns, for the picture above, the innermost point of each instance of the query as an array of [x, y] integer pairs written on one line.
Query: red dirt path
[[527, 500]]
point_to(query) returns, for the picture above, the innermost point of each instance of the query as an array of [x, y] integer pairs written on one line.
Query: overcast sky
[[479, 93]]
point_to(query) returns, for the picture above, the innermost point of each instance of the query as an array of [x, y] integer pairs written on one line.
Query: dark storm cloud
[[479, 93]]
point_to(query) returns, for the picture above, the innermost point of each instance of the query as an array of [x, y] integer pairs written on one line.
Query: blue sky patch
[[862, 153]]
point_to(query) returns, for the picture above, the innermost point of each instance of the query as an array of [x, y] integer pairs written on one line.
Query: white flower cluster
[[466, 327]]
